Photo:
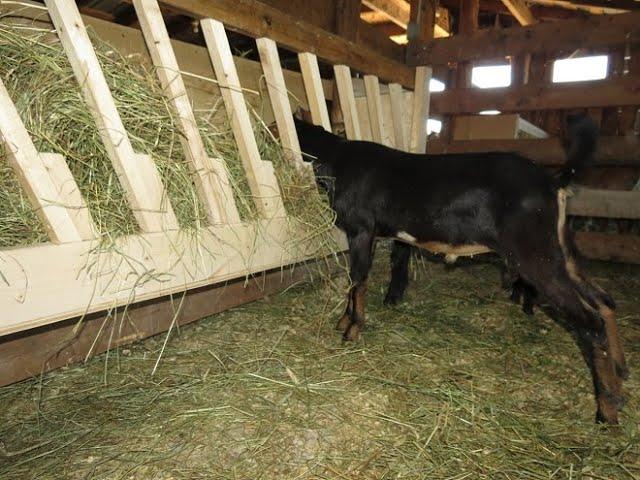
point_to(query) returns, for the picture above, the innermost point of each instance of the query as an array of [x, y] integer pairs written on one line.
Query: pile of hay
[[41, 83]]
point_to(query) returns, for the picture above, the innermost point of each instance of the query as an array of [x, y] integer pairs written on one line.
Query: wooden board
[[601, 93], [344, 85], [589, 202], [212, 184], [82, 278], [313, 87], [260, 174], [568, 35], [30, 353], [279, 97], [609, 247], [421, 108], [137, 173], [397, 100], [33, 176], [374, 107], [259, 20], [547, 151]]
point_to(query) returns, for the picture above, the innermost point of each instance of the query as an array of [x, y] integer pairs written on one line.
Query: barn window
[[433, 126], [436, 85], [490, 112], [580, 69], [491, 76]]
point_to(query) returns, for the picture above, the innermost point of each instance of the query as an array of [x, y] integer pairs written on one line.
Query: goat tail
[[583, 139]]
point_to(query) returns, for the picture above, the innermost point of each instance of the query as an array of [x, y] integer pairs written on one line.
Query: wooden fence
[[70, 276]]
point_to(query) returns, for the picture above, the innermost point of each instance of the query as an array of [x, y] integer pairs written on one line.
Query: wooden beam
[[313, 88], [421, 108], [535, 96], [396, 11], [609, 247], [594, 8], [260, 175], [259, 20], [137, 173], [347, 18], [611, 151], [31, 353], [604, 30], [33, 176], [209, 175], [521, 11], [589, 202]]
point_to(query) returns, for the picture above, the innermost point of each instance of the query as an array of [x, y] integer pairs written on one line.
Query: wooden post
[[396, 97], [260, 175], [422, 21], [34, 177], [279, 97], [210, 176], [374, 105], [137, 173], [344, 85], [313, 87]]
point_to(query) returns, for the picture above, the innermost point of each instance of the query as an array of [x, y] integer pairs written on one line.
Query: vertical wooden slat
[[313, 87], [396, 97], [33, 175], [279, 97], [420, 116], [260, 175], [374, 105], [210, 176], [347, 101], [137, 173]]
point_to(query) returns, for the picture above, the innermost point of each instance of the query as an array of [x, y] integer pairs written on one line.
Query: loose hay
[[456, 383]]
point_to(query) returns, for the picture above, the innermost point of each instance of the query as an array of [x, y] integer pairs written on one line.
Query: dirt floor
[[455, 383]]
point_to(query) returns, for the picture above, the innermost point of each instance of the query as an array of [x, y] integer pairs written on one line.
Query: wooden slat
[[279, 96], [569, 35], [313, 87], [546, 151], [605, 246], [70, 194], [29, 354], [260, 20], [33, 175], [396, 96], [521, 11], [210, 177], [420, 115], [589, 202], [374, 105], [535, 96], [80, 277], [260, 175], [137, 173], [344, 85]]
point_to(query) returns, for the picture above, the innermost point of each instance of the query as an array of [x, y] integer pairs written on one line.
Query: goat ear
[[299, 113]]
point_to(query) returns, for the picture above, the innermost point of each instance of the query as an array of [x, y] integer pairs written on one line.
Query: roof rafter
[[521, 11]]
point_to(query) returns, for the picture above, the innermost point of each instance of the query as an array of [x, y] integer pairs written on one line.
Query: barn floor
[[454, 383]]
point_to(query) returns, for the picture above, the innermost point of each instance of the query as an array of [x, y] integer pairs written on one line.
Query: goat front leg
[[400, 255], [360, 254]]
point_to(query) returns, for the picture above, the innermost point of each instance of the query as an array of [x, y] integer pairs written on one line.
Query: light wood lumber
[[374, 106], [215, 193], [344, 85], [420, 114], [260, 175], [137, 173], [313, 88]]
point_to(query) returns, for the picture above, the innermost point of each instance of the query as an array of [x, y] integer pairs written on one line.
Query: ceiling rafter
[[521, 11]]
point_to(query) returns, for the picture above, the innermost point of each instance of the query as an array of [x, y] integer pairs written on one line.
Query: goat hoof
[[528, 310], [343, 323], [352, 333], [610, 419], [622, 371], [392, 299]]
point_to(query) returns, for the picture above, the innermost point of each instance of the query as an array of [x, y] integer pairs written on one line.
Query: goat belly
[[451, 252]]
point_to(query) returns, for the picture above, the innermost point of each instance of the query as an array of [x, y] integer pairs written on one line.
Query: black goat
[[465, 204]]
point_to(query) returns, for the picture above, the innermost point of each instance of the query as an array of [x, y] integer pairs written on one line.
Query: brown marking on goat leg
[[613, 339], [611, 329], [352, 332], [345, 320], [609, 396]]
